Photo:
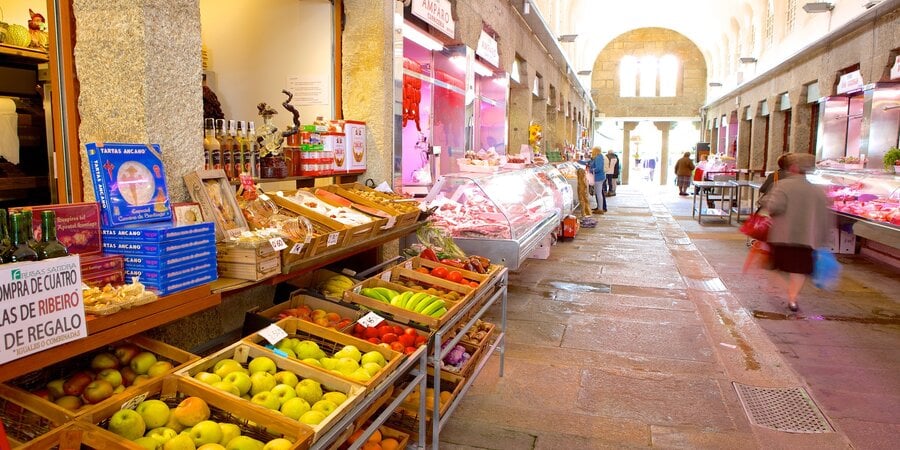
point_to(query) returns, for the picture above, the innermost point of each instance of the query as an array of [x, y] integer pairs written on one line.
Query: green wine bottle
[[29, 230], [5, 243], [19, 250], [50, 247]]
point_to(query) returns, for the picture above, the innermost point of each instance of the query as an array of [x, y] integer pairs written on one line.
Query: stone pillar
[[714, 138], [758, 138], [776, 134], [627, 128], [800, 121], [140, 81], [519, 115], [744, 140], [663, 166]]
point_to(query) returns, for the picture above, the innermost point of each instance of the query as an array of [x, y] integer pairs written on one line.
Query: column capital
[[629, 126], [665, 125]]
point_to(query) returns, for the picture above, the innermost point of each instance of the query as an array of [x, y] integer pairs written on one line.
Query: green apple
[[148, 443], [56, 388], [181, 442], [284, 393], [360, 374], [373, 357], [262, 364], [154, 412], [309, 390], [227, 368], [329, 363], [227, 387], [312, 362], [346, 365], [223, 362], [241, 380], [229, 432], [128, 424], [111, 376], [324, 406], [141, 363], [278, 444], [208, 378], [287, 377], [335, 396], [162, 434], [104, 361], [294, 408], [371, 368], [312, 417], [206, 432], [307, 349], [261, 382], [244, 443], [159, 369], [215, 446], [267, 399], [349, 351]]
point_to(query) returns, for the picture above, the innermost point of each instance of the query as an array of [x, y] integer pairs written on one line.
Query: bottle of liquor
[[19, 249], [241, 152], [215, 155], [210, 143], [4, 235], [50, 247], [28, 220], [228, 149], [253, 161]]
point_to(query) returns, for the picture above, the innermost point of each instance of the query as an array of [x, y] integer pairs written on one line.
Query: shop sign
[[852, 81], [487, 49], [437, 14], [40, 306], [895, 71]]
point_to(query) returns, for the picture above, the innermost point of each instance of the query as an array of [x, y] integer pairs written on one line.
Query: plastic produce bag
[[826, 269]]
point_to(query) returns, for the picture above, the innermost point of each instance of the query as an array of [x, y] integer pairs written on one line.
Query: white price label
[[332, 239], [386, 276], [264, 197], [296, 249], [357, 288], [273, 333], [277, 243], [370, 320], [134, 402], [408, 265]]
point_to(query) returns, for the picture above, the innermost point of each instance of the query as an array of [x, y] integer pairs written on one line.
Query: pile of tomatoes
[[404, 340], [449, 275]]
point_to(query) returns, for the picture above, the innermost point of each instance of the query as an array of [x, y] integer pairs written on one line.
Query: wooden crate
[[352, 235], [386, 432], [400, 274], [243, 352], [449, 382], [486, 341], [397, 313], [78, 436], [28, 416], [390, 200], [224, 408], [475, 354], [401, 219], [258, 270], [310, 281], [330, 341], [216, 196], [298, 299], [417, 262]]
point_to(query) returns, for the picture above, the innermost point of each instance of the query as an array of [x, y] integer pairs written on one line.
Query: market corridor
[[632, 335]]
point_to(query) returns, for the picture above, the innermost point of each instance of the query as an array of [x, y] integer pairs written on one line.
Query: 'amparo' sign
[[40, 306], [436, 13]]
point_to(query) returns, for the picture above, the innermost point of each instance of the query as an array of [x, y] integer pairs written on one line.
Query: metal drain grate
[[782, 409]]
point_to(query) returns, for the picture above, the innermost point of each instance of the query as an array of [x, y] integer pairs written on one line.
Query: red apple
[[103, 361], [397, 346], [398, 330], [44, 394], [407, 340], [97, 391], [371, 332], [128, 375], [385, 329], [409, 350], [388, 337], [125, 352], [374, 340], [358, 329], [76, 383]]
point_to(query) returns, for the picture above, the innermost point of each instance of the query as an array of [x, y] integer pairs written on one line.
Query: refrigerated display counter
[[563, 194], [569, 171]]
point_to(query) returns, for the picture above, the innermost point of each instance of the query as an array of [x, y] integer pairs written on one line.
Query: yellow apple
[[159, 368], [244, 443], [128, 424], [206, 432], [154, 412], [229, 432], [278, 444]]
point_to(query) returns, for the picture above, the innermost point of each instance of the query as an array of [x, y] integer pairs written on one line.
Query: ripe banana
[[386, 293]]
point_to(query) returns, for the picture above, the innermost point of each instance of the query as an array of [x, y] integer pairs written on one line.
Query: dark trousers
[[611, 184]]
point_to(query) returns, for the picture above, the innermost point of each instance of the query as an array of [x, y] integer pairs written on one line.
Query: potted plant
[[891, 158]]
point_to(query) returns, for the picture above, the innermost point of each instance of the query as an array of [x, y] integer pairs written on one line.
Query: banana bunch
[[420, 302], [335, 286]]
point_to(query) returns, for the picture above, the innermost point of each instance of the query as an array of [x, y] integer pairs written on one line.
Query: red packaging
[[93, 264], [570, 226], [77, 226], [100, 279]]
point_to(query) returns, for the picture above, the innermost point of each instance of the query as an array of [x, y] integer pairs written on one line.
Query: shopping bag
[[757, 226], [757, 257], [826, 269]]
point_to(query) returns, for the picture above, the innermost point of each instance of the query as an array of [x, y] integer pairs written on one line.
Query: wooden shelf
[[22, 52], [18, 183], [303, 178], [104, 330]]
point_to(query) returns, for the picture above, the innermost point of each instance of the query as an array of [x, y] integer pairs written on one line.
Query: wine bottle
[[215, 153], [4, 236], [228, 149], [253, 161], [210, 143], [50, 246], [19, 249], [241, 152], [28, 220]]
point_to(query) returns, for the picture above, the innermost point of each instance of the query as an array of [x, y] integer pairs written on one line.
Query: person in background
[[773, 177], [800, 224], [596, 166], [651, 164], [612, 173], [684, 167]]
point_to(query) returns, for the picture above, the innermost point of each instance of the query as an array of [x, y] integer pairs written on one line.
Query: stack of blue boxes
[[130, 184]]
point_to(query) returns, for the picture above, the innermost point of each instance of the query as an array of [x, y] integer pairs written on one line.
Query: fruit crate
[[78, 436], [358, 331], [420, 282], [28, 416], [466, 369], [406, 416], [312, 282], [223, 407], [488, 338], [393, 201], [386, 433], [401, 219], [353, 234], [416, 262], [299, 300], [251, 262], [330, 341], [398, 314], [243, 352], [326, 233]]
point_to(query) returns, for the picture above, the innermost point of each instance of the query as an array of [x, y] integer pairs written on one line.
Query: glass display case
[[869, 195], [502, 216], [569, 171], [563, 194]]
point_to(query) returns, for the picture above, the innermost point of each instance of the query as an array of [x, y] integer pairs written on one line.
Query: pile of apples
[[317, 316], [110, 373], [154, 426], [262, 383], [348, 361], [404, 340]]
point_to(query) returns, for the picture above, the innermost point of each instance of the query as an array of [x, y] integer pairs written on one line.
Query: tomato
[[423, 270], [454, 276], [397, 346], [371, 333], [374, 340], [409, 350], [388, 337], [440, 272], [385, 329], [398, 330], [473, 284], [359, 329], [421, 340], [410, 331], [407, 340]]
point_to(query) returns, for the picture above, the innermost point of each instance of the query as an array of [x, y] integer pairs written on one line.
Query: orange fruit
[[371, 446], [375, 437], [356, 434], [389, 444]]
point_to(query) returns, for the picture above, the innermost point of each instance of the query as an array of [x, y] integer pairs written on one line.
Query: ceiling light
[[818, 7], [748, 60], [567, 37], [584, 72], [482, 69], [715, 84], [420, 37]]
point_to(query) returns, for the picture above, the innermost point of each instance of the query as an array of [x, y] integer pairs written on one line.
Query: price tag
[[386, 276], [296, 249], [264, 197], [277, 243], [332, 239], [273, 333], [357, 289], [408, 265], [370, 320], [134, 402], [391, 222]]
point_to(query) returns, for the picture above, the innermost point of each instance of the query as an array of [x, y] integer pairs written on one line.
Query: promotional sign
[[437, 14], [850, 82], [40, 306], [487, 49]]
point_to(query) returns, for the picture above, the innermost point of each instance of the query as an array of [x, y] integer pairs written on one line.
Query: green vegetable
[[891, 157]]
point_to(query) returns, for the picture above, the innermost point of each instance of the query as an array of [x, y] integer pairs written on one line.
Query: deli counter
[[866, 200]]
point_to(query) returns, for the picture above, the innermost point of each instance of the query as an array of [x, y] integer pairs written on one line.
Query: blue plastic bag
[[826, 269]]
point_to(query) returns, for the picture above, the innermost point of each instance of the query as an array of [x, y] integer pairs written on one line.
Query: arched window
[[628, 70], [770, 22], [648, 69], [791, 15], [668, 76]]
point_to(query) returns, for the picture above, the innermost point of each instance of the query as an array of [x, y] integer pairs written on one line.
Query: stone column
[[140, 81], [758, 138], [519, 115], [800, 121], [663, 166], [776, 134], [627, 128], [743, 141]]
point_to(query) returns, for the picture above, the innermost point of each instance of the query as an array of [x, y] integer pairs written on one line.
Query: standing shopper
[[612, 173], [596, 166], [800, 224], [684, 167], [773, 177]]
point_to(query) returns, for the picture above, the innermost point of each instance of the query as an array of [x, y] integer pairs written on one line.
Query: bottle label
[[216, 159]]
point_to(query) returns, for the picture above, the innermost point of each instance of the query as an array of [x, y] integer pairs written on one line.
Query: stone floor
[[650, 361]]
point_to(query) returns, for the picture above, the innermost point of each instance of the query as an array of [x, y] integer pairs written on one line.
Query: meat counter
[[569, 171], [869, 195], [503, 216], [563, 194]]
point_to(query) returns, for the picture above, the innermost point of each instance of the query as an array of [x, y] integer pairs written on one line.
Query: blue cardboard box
[[140, 248], [160, 262], [157, 232], [130, 183], [171, 273], [180, 284]]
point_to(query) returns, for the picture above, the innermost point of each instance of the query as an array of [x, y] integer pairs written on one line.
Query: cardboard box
[[158, 262], [337, 144], [355, 132], [130, 182], [77, 226], [101, 263], [100, 279], [172, 272], [134, 247], [180, 284], [157, 232], [216, 196]]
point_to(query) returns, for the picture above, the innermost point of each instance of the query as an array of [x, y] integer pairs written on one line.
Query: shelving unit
[[345, 177]]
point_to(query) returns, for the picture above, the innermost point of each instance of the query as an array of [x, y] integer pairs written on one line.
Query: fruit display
[[419, 302], [458, 358], [335, 286], [383, 438], [451, 275], [400, 339], [317, 316], [404, 205], [479, 332], [410, 404]]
